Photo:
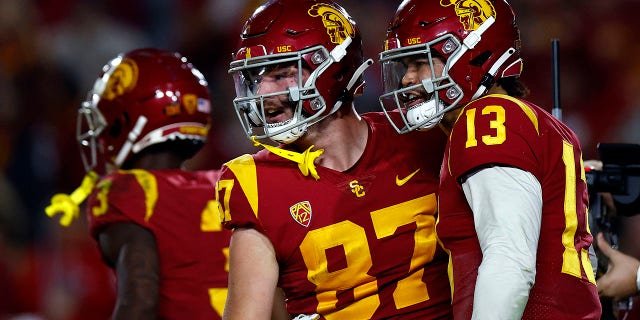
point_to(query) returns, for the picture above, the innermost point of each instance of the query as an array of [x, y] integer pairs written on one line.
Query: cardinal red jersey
[[502, 130], [179, 208], [358, 244]]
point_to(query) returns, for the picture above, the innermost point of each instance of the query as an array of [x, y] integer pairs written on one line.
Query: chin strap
[[304, 160], [69, 205]]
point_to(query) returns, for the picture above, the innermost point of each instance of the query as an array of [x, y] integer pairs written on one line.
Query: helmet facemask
[[422, 105], [89, 125], [250, 104], [448, 90]]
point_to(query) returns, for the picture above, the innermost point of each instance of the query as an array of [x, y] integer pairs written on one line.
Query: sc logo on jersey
[[357, 188]]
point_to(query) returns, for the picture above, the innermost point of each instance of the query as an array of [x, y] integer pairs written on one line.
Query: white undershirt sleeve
[[507, 211]]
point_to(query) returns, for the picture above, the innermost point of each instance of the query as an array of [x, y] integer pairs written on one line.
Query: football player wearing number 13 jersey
[[513, 199], [342, 214]]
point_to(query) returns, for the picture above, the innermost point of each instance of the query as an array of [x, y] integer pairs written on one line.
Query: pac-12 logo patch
[[301, 213], [472, 13]]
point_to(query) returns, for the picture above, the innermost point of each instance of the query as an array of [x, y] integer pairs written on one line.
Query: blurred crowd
[[51, 50]]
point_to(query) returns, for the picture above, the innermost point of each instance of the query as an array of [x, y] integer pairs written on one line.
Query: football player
[[155, 223], [341, 214], [513, 197]]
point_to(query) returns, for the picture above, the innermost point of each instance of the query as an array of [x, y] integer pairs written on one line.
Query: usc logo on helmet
[[338, 26], [284, 48], [472, 13], [414, 40], [122, 79]]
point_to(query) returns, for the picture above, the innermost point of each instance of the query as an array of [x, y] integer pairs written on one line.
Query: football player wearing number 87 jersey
[[341, 215], [513, 199]]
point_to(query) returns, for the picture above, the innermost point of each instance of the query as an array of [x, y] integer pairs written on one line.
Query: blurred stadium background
[[51, 52]]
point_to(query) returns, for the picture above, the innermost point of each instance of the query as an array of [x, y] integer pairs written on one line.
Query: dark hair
[[514, 87], [182, 148]]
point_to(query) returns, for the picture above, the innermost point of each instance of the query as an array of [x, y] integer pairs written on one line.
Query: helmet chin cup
[[289, 135], [424, 115]]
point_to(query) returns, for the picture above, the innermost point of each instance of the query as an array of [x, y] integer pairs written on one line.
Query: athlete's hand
[[620, 280]]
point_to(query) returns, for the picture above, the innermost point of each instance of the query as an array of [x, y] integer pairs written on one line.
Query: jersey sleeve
[[237, 193], [494, 130]]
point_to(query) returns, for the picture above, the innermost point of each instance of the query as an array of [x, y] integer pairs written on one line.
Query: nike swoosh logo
[[401, 182]]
